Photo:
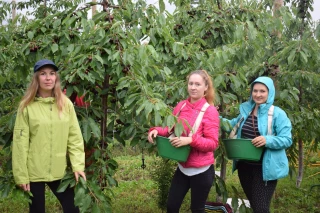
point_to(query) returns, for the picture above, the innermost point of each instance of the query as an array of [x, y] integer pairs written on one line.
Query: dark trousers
[[200, 187], [258, 192], [65, 198]]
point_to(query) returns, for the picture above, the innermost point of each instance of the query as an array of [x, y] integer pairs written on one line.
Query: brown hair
[[32, 91], [209, 93]]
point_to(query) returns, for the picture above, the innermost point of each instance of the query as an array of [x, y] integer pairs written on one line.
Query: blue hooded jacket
[[275, 162]]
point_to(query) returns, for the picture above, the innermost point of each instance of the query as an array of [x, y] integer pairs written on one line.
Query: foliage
[[137, 191], [131, 86], [162, 173]]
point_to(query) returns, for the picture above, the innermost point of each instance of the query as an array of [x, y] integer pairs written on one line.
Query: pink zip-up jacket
[[205, 140]]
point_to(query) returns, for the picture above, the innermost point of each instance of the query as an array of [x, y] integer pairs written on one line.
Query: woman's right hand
[[152, 134]]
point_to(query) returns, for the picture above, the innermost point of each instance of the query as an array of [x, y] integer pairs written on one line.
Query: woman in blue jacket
[[259, 178]]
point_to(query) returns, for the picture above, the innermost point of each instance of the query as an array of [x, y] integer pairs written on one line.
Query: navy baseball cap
[[44, 62]]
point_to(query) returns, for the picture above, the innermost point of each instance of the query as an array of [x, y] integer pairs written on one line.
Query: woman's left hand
[[80, 173], [259, 141], [180, 141]]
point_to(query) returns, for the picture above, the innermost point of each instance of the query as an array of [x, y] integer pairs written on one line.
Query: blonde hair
[[32, 91], [209, 93]]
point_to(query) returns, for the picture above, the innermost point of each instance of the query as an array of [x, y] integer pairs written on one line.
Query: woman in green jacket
[[46, 129]]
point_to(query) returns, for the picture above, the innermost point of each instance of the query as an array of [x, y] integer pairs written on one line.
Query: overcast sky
[[315, 13]]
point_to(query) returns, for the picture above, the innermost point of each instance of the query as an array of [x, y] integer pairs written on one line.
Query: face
[[260, 93], [196, 87], [47, 79]]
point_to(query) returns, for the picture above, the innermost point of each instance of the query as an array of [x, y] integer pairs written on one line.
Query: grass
[[137, 192]]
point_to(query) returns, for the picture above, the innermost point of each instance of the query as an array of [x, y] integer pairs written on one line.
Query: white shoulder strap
[[233, 133], [270, 116], [199, 119], [183, 105]]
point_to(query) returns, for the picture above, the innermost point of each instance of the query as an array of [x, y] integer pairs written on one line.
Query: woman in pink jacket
[[197, 173]]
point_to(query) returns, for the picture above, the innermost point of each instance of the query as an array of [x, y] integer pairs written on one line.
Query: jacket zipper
[[21, 132]]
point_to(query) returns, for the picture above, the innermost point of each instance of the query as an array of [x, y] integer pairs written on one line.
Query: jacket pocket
[[59, 164], [18, 134]]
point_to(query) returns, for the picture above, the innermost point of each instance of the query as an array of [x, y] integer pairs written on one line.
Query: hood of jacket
[[248, 106]]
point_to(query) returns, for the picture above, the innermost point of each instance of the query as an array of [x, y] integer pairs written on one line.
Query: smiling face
[[47, 80], [260, 93], [196, 87]]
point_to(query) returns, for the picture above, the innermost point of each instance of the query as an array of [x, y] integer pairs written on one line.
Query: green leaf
[[162, 19], [141, 107], [167, 71], [178, 129], [317, 32], [284, 94], [6, 191], [63, 185], [69, 91], [94, 127], [157, 118], [70, 48], [95, 208], [177, 47], [242, 208], [99, 59], [83, 182], [148, 108], [131, 99], [225, 125], [79, 194], [170, 120], [120, 139], [304, 57], [54, 48], [86, 130], [86, 202], [161, 6], [291, 56], [111, 181], [116, 24], [123, 83], [56, 23], [153, 51], [97, 154], [218, 80], [252, 32], [116, 55], [30, 35]]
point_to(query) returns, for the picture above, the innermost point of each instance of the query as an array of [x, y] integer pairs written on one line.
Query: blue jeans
[[200, 186]]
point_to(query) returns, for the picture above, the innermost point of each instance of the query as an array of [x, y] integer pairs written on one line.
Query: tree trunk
[[277, 4], [103, 125], [94, 8], [104, 103], [14, 9], [300, 172], [223, 166], [300, 149]]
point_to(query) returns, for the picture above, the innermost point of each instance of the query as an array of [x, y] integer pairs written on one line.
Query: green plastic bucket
[[166, 150], [242, 149]]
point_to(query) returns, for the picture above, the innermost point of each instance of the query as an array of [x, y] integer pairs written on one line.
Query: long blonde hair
[[32, 91], [209, 93]]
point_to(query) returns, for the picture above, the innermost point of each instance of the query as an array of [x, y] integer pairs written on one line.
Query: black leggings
[[200, 185], [65, 198], [258, 192]]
